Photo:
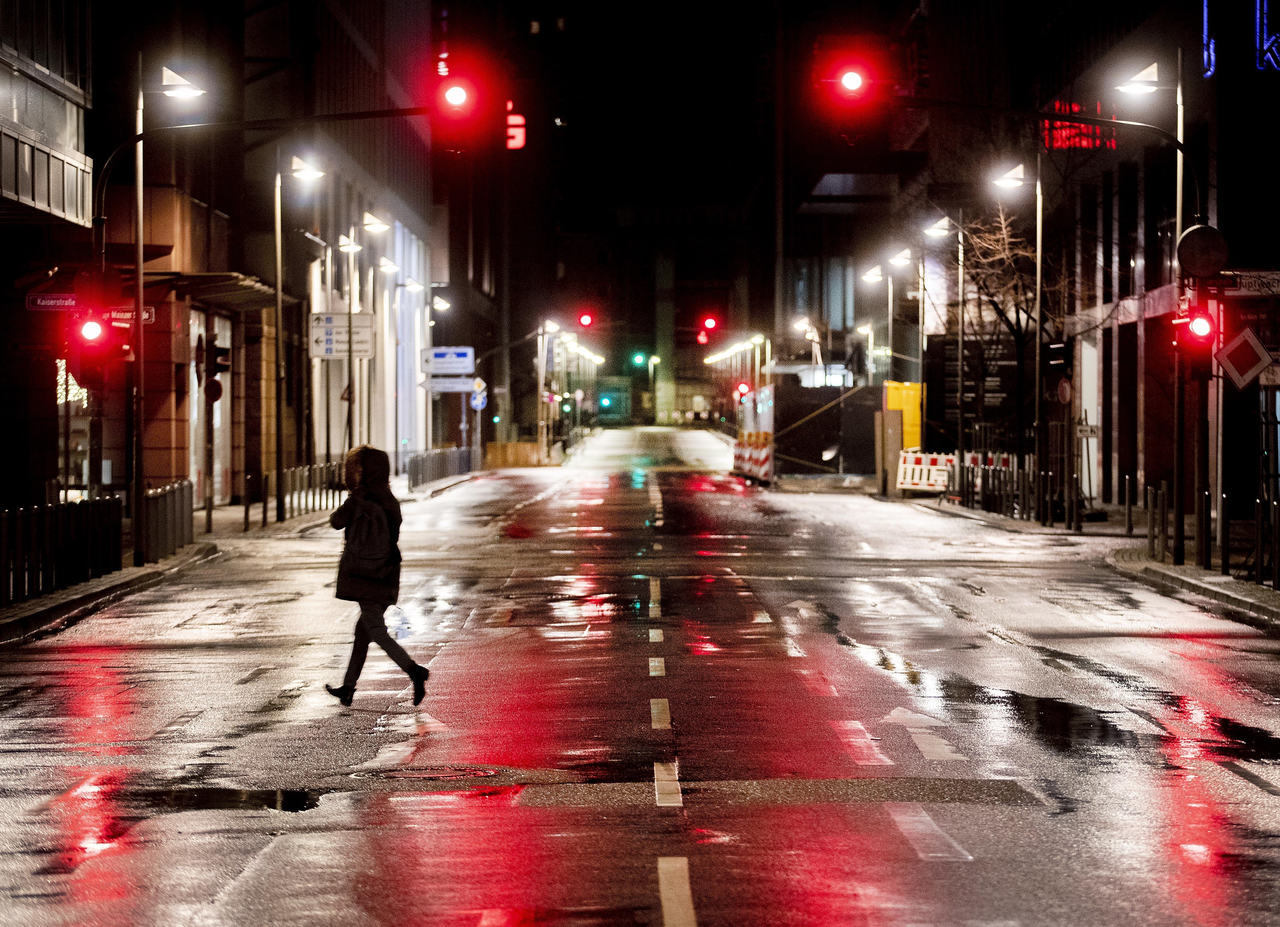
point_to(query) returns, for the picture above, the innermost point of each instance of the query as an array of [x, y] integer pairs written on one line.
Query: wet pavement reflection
[[658, 695]]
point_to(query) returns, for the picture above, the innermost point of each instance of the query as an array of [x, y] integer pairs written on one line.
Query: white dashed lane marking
[[659, 714], [674, 890], [655, 636], [655, 597], [657, 666], [859, 744], [929, 840], [666, 785]]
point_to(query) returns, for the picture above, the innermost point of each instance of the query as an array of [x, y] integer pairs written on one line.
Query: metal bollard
[[1257, 541], [1206, 545], [1128, 506], [1275, 545], [1151, 523], [247, 478], [1224, 533], [266, 494], [1162, 506]]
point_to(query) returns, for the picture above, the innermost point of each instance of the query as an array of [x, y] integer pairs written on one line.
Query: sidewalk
[[1261, 604], [49, 613]]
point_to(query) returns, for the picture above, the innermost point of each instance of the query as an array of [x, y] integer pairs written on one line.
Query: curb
[[1265, 616], [64, 608]]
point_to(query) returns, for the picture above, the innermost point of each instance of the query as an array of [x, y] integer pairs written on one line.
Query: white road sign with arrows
[[329, 336]]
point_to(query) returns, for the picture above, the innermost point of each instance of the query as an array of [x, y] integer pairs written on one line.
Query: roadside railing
[[44, 548], [436, 465], [168, 520], [309, 488]]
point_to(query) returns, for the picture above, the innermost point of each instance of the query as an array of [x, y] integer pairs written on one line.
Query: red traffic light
[[710, 322], [1200, 325], [91, 331], [457, 98], [456, 95], [744, 388], [585, 319], [703, 338], [851, 81]]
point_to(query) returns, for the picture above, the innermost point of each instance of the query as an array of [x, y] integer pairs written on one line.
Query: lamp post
[[546, 330], [171, 85], [1010, 179], [303, 171], [1145, 82]]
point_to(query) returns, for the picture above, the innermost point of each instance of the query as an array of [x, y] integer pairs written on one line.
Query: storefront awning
[[228, 291]]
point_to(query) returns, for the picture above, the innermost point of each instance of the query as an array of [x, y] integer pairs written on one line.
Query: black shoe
[[420, 684], [341, 693]]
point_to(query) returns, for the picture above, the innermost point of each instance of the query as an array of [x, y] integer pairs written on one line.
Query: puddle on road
[[1068, 727], [206, 798]]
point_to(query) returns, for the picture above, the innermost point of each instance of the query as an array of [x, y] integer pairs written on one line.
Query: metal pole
[[279, 345], [1037, 425], [431, 397], [139, 347], [1179, 428], [351, 365], [960, 346], [889, 367]]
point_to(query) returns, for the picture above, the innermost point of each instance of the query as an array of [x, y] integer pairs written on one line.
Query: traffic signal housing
[[854, 80], [1197, 337]]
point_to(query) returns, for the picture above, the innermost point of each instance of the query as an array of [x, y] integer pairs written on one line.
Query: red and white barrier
[[925, 472]]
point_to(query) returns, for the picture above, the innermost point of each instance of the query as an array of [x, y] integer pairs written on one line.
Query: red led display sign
[[1062, 136]]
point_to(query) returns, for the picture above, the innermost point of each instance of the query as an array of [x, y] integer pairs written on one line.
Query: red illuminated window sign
[[1064, 136], [517, 133]]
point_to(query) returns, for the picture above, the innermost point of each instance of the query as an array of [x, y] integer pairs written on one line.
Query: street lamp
[[175, 86], [307, 173], [940, 229], [546, 330], [866, 331], [1144, 83], [1008, 180]]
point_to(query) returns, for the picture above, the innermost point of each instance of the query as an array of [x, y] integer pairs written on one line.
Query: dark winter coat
[[383, 591]]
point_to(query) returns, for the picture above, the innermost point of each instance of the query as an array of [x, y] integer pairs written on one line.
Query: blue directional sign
[[479, 400], [448, 361]]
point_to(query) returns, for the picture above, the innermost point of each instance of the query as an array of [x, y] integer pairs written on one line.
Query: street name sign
[[448, 361], [329, 341]]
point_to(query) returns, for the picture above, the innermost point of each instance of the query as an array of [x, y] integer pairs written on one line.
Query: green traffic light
[[637, 359]]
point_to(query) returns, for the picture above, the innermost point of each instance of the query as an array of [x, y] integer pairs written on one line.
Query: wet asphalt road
[[657, 696]]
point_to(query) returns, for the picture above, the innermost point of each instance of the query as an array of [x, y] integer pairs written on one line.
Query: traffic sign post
[[329, 339]]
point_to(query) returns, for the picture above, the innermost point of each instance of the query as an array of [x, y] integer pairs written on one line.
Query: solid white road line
[[657, 666], [930, 841], [660, 714], [655, 597], [859, 744], [761, 618], [655, 636], [666, 785], [793, 649], [674, 890]]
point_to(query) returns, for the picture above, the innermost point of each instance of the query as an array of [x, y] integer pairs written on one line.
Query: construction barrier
[[925, 472]]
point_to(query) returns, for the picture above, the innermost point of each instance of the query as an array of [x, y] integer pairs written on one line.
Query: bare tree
[[1000, 266]]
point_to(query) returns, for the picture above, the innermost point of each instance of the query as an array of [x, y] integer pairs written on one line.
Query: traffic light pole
[[1179, 427], [139, 344]]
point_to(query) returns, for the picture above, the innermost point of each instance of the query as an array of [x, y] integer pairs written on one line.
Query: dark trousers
[[372, 626]]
